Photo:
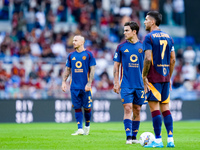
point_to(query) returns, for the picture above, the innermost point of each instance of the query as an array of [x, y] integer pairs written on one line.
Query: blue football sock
[[135, 128], [79, 118], [157, 123], [168, 122], [87, 114], [128, 128]]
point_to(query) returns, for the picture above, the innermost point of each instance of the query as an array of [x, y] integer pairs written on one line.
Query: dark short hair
[[156, 15], [133, 25]]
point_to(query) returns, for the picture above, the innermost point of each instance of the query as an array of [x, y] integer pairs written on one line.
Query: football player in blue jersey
[[81, 65], [130, 56], [158, 68]]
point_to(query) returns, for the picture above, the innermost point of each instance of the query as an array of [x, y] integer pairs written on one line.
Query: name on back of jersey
[[160, 35]]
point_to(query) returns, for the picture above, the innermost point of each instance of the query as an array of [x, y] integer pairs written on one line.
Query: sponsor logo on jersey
[[78, 64], [133, 58]]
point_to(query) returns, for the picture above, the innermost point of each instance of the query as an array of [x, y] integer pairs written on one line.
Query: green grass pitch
[[102, 136]]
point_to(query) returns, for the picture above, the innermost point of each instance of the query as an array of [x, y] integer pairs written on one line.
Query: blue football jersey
[[161, 45], [131, 57], [80, 66]]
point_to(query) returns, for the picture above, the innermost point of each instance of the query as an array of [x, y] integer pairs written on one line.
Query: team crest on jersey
[[140, 50], [84, 57], [126, 50], [122, 100], [164, 71]]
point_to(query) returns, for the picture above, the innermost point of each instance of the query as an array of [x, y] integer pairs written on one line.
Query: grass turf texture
[[102, 136]]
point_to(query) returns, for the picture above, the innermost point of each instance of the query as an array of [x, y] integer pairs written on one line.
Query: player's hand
[[116, 88], [146, 84], [87, 87], [64, 86]]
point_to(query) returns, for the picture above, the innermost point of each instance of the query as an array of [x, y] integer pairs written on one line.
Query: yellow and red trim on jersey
[[155, 92]]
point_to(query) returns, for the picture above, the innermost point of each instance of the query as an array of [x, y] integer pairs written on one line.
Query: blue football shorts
[[81, 98], [130, 95], [159, 92]]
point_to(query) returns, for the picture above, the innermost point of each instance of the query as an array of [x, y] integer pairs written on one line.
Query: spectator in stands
[[196, 84], [5, 46], [51, 19], [15, 69], [58, 48], [47, 52], [34, 73], [105, 83], [4, 76], [24, 48], [188, 72], [35, 47], [24, 85], [177, 78], [168, 10], [179, 9], [14, 90], [30, 19], [179, 55], [40, 16], [189, 55], [22, 71]]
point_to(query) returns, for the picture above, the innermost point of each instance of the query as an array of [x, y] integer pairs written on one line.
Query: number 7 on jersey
[[164, 43]]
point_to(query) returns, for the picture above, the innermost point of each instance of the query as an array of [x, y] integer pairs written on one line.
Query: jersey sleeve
[[147, 44], [117, 56], [92, 60], [172, 49], [68, 62]]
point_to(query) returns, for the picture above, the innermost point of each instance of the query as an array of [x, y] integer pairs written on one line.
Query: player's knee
[[127, 109], [136, 109]]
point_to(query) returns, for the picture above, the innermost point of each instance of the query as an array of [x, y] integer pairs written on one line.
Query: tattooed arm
[[171, 66], [66, 74], [88, 85], [147, 64], [116, 77], [172, 62]]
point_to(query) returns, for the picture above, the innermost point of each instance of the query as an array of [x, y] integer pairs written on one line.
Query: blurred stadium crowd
[[34, 52]]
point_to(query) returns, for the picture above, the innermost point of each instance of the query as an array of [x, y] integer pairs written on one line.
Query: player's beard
[[147, 28], [76, 46]]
